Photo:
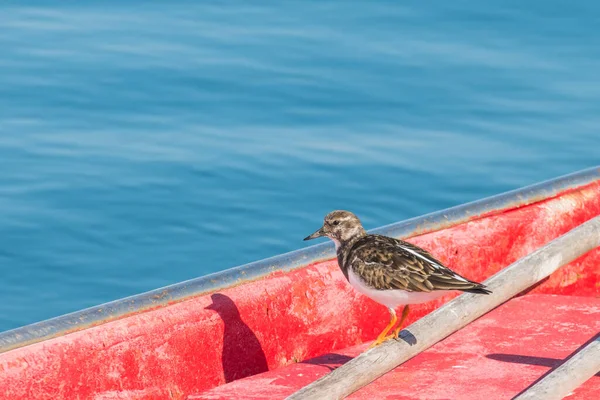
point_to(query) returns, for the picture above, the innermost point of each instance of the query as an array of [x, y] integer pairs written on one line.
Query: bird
[[390, 271]]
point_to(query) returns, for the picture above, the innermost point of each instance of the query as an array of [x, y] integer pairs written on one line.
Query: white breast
[[337, 244], [392, 298]]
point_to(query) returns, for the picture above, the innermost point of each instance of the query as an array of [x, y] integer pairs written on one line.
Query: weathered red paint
[[197, 344], [496, 357]]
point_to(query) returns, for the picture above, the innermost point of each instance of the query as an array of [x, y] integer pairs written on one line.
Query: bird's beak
[[319, 233]]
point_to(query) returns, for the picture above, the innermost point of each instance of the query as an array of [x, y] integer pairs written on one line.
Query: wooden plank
[[497, 356], [294, 315], [569, 376], [454, 315]]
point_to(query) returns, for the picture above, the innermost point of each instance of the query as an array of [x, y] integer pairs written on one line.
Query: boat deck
[[495, 357], [266, 329]]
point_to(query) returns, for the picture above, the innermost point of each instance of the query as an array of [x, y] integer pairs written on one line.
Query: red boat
[[267, 329]]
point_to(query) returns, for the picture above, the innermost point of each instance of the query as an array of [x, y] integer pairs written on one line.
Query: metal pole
[[570, 375], [454, 315]]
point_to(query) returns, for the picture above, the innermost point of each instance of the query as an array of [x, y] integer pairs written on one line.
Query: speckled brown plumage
[[386, 263], [390, 271]]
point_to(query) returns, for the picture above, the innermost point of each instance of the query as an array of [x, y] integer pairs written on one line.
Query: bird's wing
[[387, 263]]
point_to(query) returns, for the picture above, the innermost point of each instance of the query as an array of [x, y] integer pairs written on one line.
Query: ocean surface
[[144, 143]]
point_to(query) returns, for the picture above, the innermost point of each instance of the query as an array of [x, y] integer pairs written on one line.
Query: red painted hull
[[495, 357], [191, 346]]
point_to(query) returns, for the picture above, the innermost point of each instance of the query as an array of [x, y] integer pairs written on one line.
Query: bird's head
[[340, 226]]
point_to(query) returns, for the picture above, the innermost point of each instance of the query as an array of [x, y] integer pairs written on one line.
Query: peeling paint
[[180, 345], [499, 366]]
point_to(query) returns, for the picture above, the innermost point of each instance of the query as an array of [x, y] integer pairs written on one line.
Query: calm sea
[[144, 143]]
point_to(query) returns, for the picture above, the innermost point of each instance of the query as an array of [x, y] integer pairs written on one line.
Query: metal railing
[[297, 259]]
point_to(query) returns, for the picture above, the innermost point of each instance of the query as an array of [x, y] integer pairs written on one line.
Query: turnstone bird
[[390, 271]]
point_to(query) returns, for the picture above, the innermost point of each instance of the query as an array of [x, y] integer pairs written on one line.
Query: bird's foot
[[379, 341]]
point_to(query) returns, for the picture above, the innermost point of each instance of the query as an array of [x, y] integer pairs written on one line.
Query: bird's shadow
[[407, 337], [242, 353]]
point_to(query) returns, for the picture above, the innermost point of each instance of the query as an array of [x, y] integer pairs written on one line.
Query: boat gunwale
[[438, 220]]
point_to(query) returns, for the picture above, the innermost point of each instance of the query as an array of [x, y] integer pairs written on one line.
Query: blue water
[[146, 143]]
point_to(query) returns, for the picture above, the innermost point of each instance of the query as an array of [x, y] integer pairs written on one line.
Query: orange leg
[[383, 335], [404, 315]]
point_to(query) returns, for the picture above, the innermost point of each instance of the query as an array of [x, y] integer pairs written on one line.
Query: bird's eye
[[335, 223]]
